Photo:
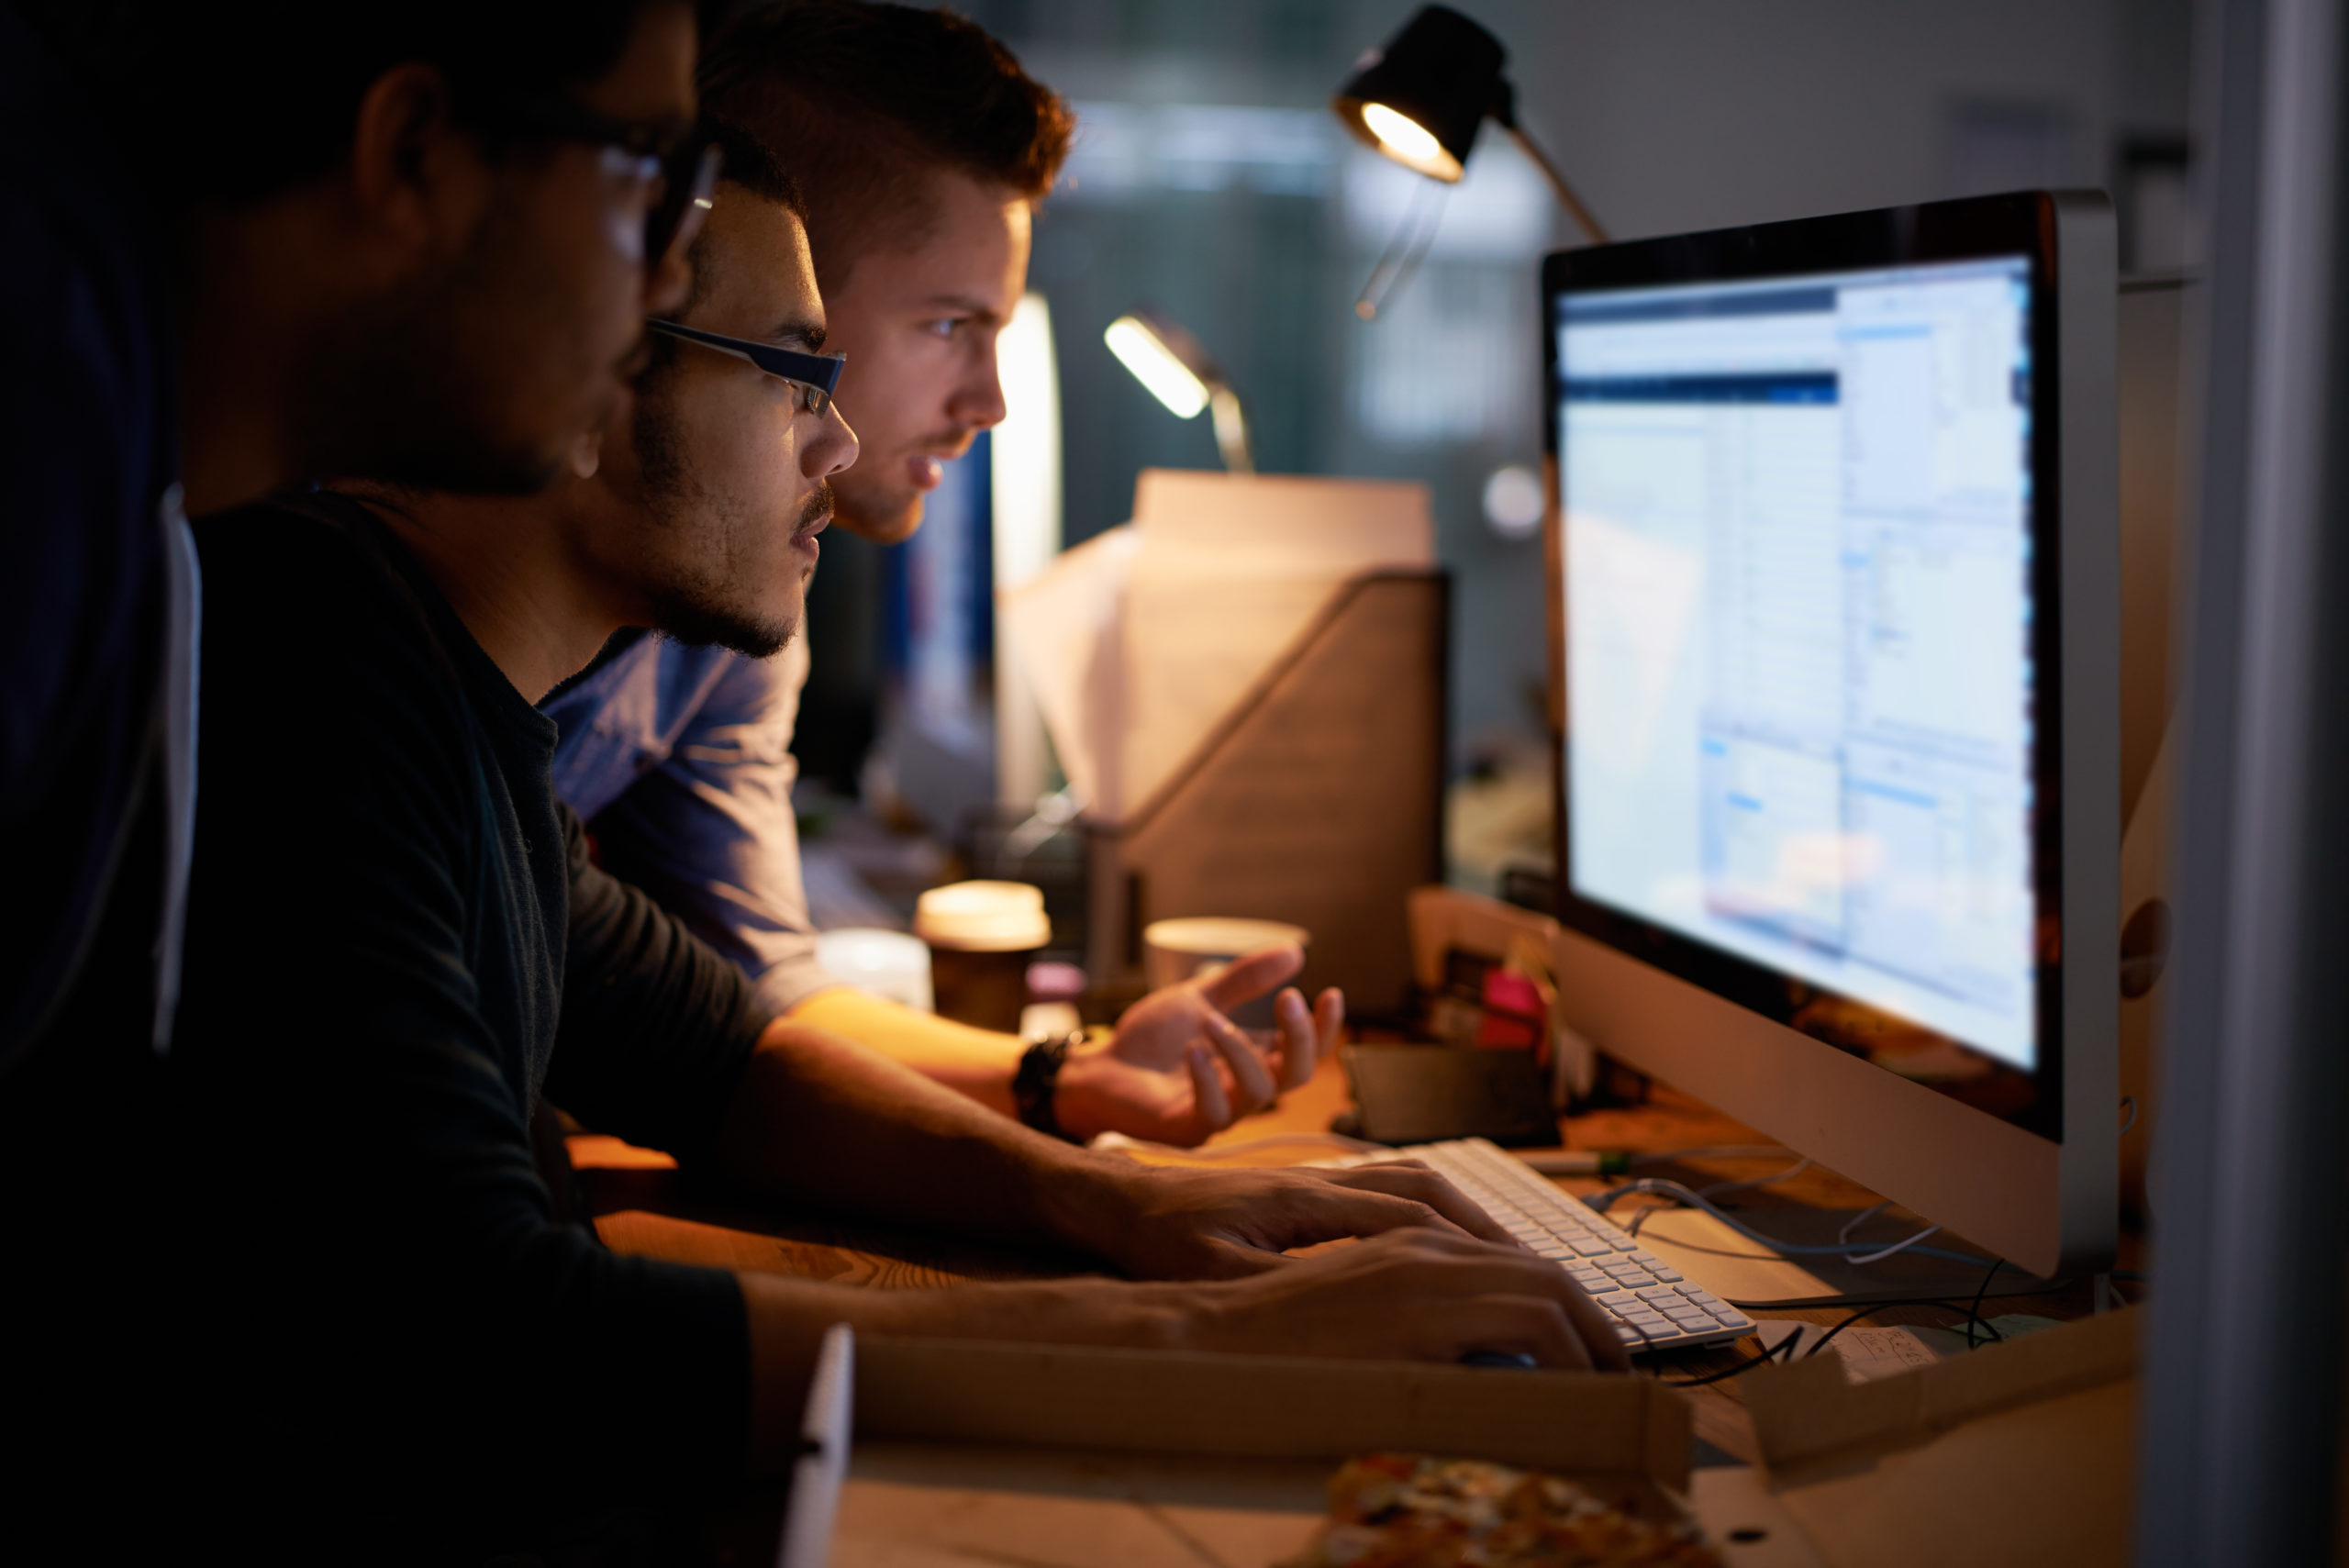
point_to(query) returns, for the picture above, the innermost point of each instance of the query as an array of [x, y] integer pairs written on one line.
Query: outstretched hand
[[1178, 1069]]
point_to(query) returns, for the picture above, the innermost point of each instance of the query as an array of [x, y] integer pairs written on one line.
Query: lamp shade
[[1419, 98]]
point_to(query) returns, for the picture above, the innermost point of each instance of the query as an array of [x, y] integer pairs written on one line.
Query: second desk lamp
[[1179, 372]]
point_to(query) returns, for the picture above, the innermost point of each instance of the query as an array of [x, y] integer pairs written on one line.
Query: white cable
[[1600, 1201], [1859, 1219], [1902, 1246]]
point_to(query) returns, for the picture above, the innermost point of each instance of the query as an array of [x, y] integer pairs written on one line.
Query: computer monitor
[[1835, 646]]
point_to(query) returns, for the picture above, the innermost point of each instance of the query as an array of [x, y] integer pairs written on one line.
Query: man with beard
[[427, 1341], [247, 245], [924, 149], [252, 246]]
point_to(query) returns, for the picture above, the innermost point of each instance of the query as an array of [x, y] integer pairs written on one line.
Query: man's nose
[[979, 397], [834, 448]]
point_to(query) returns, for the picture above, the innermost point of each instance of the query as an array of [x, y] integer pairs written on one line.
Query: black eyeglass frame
[[687, 164], [817, 374]]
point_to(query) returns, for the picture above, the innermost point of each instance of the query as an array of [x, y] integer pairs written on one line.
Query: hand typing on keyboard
[[1410, 1294], [1206, 1224], [1648, 1303]]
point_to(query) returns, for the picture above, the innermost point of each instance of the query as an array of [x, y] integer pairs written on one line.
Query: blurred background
[[1209, 179]]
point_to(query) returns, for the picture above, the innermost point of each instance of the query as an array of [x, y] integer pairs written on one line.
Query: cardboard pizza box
[[968, 1452], [2019, 1454]]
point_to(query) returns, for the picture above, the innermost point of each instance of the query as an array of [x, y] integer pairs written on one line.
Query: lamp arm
[[1565, 193], [1231, 428]]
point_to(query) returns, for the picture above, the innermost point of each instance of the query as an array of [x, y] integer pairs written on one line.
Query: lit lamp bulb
[[1409, 143], [1167, 359], [1142, 352]]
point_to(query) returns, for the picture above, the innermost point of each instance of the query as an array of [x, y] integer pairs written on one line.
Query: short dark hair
[[750, 168], [238, 100], [748, 164], [860, 100]]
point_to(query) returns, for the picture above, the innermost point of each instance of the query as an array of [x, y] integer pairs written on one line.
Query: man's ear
[[412, 171]]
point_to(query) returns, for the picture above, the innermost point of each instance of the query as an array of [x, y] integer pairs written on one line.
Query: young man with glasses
[[260, 245], [924, 147], [422, 1324], [247, 245]]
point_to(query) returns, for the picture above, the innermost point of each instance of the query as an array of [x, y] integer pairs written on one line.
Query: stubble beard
[[691, 572]]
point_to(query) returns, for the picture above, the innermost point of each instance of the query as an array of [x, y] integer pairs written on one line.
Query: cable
[[1900, 1246], [1796, 1169], [1974, 1313], [1776, 1352], [2130, 1101], [1972, 1317], [1600, 1201]]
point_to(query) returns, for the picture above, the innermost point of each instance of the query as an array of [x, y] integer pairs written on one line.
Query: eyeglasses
[[812, 376], [681, 172]]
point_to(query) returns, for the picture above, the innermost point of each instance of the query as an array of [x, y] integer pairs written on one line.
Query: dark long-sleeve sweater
[[397, 943]]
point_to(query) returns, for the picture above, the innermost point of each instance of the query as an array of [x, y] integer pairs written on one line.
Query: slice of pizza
[[1392, 1510]]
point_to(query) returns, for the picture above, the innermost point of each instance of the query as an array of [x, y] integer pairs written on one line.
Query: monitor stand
[[1742, 1271]]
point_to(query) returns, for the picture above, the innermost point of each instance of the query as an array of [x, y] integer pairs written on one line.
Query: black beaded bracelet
[[1039, 1076]]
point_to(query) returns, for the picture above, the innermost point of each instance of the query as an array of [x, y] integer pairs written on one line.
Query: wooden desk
[[640, 1208]]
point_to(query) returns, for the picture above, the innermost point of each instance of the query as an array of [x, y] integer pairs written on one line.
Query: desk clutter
[[950, 1453]]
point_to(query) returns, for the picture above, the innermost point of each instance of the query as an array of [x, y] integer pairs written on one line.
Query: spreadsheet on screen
[[1796, 531]]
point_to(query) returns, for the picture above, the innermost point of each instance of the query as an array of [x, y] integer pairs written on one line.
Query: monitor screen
[[1796, 533]]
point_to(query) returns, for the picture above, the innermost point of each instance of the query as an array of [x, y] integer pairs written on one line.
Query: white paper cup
[[889, 965], [1176, 950]]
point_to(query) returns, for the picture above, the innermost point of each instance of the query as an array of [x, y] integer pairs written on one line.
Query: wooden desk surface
[[640, 1206]]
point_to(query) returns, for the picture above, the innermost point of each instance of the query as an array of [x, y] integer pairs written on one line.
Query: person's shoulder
[[315, 538], [313, 576]]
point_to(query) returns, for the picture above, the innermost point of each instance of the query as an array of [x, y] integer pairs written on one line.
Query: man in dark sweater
[[247, 244], [400, 946], [252, 245]]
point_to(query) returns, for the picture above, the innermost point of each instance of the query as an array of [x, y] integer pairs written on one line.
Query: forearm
[[974, 1063], [814, 1113]]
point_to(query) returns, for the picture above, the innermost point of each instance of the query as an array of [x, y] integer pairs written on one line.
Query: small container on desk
[[982, 936]]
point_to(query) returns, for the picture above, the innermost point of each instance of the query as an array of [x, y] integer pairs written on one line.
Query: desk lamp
[[1420, 99], [1170, 361]]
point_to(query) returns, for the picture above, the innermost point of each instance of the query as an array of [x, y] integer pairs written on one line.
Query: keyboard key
[[1730, 1318], [1603, 1287], [1647, 1259], [1657, 1293], [1550, 1250], [1632, 1281], [1667, 1274], [1593, 1249]]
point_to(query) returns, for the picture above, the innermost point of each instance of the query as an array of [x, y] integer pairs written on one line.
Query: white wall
[[1676, 115]]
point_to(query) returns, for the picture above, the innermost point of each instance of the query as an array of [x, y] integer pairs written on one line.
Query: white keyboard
[[1654, 1306]]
